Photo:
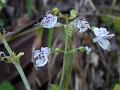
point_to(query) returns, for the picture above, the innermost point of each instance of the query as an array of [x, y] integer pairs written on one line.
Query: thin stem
[[61, 86], [50, 37], [23, 77], [70, 67], [6, 45], [17, 65]]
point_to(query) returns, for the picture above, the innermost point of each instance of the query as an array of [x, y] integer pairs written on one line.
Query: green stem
[[69, 71], [6, 45], [17, 65], [21, 72], [50, 38], [67, 62], [61, 86]]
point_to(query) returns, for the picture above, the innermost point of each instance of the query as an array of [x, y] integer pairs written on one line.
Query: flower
[[41, 56], [88, 50], [49, 21], [45, 51], [102, 36], [82, 25]]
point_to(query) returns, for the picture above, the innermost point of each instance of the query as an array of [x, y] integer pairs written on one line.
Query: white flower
[[41, 56], [49, 21], [45, 51], [36, 53], [82, 25], [88, 50], [41, 61], [102, 36]]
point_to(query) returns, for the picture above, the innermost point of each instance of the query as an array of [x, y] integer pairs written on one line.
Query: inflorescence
[[50, 21]]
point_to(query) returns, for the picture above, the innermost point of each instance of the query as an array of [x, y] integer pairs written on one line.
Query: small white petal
[[41, 62], [104, 31], [97, 31], [82, 25], [109, 36], [95, 40], [45, 51], [88, 50], [49, 21], [36, 53], [104, 43]]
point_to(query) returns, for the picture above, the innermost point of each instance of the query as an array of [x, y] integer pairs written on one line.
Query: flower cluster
[[102, 35], [50, 21], [41, 56]]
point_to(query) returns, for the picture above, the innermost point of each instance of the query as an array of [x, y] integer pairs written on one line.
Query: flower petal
[[82, 25], [104, 43], [88, 50], [36, 53], [41, 62], [49, 21], [97, 32]]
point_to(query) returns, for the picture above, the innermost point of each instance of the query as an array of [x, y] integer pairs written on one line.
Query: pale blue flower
[[49, 21], [82, 25], [102, 36], [41, 56]]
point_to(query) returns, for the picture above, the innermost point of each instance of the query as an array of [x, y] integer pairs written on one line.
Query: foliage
[[111, 20], [2, 3], [54, 87], [29, 7], [117, 87], [6, 86], [55, 10], [73, 14]]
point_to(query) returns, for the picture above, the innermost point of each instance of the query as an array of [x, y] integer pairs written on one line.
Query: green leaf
[[73, 14], [2, 3], [54, 87], [107, 20], [6, 86], [112, 20], [117, 87], [56, 10], [116, 25]]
